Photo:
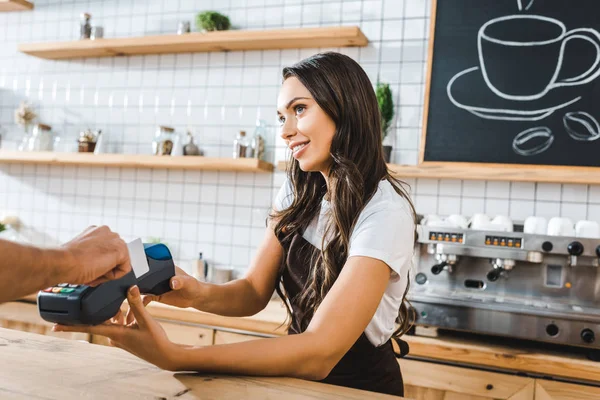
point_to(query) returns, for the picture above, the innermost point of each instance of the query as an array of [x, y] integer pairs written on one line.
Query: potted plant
[[212, 21], [386, 109]]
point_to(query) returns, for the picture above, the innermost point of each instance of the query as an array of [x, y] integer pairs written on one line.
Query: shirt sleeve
[[284, 197], [386, 234]]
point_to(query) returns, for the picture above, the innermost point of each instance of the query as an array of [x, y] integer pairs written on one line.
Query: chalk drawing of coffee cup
[[530, 49]]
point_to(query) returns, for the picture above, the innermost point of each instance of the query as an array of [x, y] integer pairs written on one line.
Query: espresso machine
[[511, 284]]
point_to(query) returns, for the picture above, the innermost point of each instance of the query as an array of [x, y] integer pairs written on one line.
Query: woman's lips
[[298, 153]]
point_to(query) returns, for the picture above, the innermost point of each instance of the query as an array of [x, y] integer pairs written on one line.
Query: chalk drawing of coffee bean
[[581, 126], [533, 141]]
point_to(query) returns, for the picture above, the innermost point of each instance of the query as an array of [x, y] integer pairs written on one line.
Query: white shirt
[[384, 231]]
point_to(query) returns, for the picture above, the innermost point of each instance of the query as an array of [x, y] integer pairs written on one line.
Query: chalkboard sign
[[514, 82]]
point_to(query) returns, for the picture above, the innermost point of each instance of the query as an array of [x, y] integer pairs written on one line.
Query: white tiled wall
[[215, 95]]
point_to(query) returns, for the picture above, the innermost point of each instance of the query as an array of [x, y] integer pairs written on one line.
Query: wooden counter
[[536, 361], [473, 353], [37, 366]]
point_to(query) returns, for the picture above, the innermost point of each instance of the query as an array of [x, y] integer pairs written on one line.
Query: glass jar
[[164, 140], [240, 144], [41, 138]]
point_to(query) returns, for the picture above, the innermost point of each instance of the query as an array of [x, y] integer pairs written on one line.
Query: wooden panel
[[467, 382], [493, 172], [551, 390], [15, 5], [224, 337], [341, 36], [515, 359], [186, 334], [111, 373], [25, 317], [423, 393], [137, 161]]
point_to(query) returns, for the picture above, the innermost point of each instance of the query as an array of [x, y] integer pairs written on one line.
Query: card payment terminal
[[70, 304]]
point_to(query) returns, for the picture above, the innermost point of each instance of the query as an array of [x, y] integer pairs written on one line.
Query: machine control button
[[552, 330], [575, 248], [547, 246], [587, 335], [421, 278]]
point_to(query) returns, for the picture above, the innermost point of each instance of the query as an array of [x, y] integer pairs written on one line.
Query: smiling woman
[[303, 122], [338, 246]]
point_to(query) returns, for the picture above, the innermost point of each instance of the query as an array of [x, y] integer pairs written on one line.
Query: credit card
[[137, 255]]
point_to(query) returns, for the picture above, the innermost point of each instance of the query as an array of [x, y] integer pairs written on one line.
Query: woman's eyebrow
[[291, 101]]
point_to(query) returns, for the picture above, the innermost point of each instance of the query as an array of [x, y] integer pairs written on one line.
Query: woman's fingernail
[[174, 284], [135, 291]]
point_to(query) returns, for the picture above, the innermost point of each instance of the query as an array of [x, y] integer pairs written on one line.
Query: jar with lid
[[164, 140], [257, 143], [41, 138], [240, 145]]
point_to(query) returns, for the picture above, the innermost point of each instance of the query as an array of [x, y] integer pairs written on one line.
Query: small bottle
[[85, 30], [100, 145], [257, 143], [240, 144], [190, 149], [201, 271]]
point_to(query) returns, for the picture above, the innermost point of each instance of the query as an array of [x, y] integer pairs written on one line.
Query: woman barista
[[338, 247]]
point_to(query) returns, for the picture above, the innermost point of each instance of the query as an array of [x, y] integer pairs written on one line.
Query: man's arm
[[26, 269], [96, 255]]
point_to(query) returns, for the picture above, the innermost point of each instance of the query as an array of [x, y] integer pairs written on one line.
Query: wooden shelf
[[15, 5], [521, 173], [341, 36], [137, 161]]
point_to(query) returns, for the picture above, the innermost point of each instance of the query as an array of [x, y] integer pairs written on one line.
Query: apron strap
[[403, 346]]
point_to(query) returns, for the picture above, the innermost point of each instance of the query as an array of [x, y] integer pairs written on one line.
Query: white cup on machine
[[587, 229], [559, 226], [430, 219], [435, 221], [480, 222], [535, 225], [502, 223], [458, 221]]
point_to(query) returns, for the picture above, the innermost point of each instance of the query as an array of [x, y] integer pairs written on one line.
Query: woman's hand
[[186, 292], [137, 333]]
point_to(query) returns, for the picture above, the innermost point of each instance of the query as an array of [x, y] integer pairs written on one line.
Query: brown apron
[[364, 366]]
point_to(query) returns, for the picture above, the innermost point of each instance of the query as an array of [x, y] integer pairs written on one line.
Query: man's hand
[[95, 256]]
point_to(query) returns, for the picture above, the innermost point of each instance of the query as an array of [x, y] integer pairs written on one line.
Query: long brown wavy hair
[[343, 90]]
